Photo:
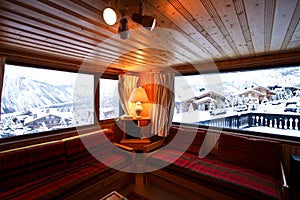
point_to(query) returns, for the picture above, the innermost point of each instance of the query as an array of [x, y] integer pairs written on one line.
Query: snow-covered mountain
[[21, 93], [285, 77], [232, 83]]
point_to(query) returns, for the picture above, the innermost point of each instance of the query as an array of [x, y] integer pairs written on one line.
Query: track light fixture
[[123, 30], [110, 16], [148, 22]]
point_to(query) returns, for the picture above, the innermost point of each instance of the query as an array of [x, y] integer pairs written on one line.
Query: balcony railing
[[280, 121]]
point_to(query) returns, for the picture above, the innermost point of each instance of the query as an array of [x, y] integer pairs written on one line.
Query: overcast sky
[[43, 75]]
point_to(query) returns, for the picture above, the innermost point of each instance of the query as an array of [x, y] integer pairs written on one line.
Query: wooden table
[[135, 127], [136, 144]]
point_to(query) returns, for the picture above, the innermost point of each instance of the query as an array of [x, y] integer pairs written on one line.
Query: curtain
[[126, 85], [163, 105], [2, 63]]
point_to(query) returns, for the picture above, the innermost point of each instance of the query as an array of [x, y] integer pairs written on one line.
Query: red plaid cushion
[[259, 154], [67, 182], [79, 149], [24, 165], [225, 175], [190, 134]]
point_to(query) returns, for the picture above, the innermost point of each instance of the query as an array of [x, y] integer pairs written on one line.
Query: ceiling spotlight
[[123, 30], [109, 16], [146, 21], [121, 8]]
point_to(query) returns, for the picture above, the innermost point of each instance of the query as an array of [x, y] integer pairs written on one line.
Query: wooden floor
[[148, 190]]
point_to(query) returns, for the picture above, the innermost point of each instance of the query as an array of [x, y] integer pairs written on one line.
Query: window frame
[[240, 131], [99, 108], [59, 133]]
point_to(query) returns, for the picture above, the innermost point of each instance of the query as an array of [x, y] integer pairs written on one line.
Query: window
[[260, 100], [37, 100], [109, 99]]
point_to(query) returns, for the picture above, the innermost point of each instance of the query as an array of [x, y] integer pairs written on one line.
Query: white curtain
[[126, 85], [163, 105], [2, 63]]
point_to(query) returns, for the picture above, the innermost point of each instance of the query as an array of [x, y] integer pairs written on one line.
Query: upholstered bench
[[244, 168], [60, 169]]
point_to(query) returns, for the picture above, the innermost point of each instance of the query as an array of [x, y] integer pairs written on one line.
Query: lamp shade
[[138, 95]]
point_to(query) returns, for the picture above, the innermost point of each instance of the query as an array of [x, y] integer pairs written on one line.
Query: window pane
[[259, 100], [37, 100], [109, 99]]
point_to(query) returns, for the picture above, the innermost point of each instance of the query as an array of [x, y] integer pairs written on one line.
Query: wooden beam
[[257, 62], [47, 61]]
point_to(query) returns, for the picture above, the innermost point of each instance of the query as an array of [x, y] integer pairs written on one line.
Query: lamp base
[[138, 110]]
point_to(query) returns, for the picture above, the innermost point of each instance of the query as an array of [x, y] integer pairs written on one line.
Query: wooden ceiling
[[193, 34]]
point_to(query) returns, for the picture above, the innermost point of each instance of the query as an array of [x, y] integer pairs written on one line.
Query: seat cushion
[[83, 148], [67, 182], [218, 173], [258, 154], [191, 141], [25, 165]]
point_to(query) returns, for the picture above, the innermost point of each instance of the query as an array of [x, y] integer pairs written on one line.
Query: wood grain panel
[[283, 12], [255, 16], [292, 30], [241, 13], [220, 25], [268, 23], [188, 33], [197, 26]]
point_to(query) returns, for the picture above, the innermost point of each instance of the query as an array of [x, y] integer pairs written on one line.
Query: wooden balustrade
[[280, 121]]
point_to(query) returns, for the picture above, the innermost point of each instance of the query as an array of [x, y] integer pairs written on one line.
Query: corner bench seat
[[58, 169], [211, 171], [241, 167], [61, 184]]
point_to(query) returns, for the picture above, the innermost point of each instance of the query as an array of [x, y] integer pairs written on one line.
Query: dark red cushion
[[81, 149], [190, 141], [61, 184], [24, 165], [233, 149], [197, 142], [264, 156], [171, 134], [209, 171], [259, 154], [69, 181]]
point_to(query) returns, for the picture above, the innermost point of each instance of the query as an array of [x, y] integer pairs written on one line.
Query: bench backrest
[[189, 133], [23, 165], [79, 148], [258, 154]]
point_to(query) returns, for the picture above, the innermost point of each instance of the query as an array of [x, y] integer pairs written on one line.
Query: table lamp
[[138, 96]]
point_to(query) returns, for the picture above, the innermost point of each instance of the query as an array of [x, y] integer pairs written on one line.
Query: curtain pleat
[[163, 106], [126, 85], [2, 63]]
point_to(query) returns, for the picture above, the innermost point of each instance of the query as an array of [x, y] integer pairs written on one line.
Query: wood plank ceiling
[[187, 32]]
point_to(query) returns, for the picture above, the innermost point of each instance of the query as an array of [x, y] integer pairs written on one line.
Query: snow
[[275, 131]]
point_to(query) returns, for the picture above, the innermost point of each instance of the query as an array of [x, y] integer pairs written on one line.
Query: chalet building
[[207, 98], [143, 59], [47, 120], [284, 92], [257, 93]]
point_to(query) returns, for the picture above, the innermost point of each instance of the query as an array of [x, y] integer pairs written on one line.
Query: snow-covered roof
[[206, 99], [39, 116], [209, 93]]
